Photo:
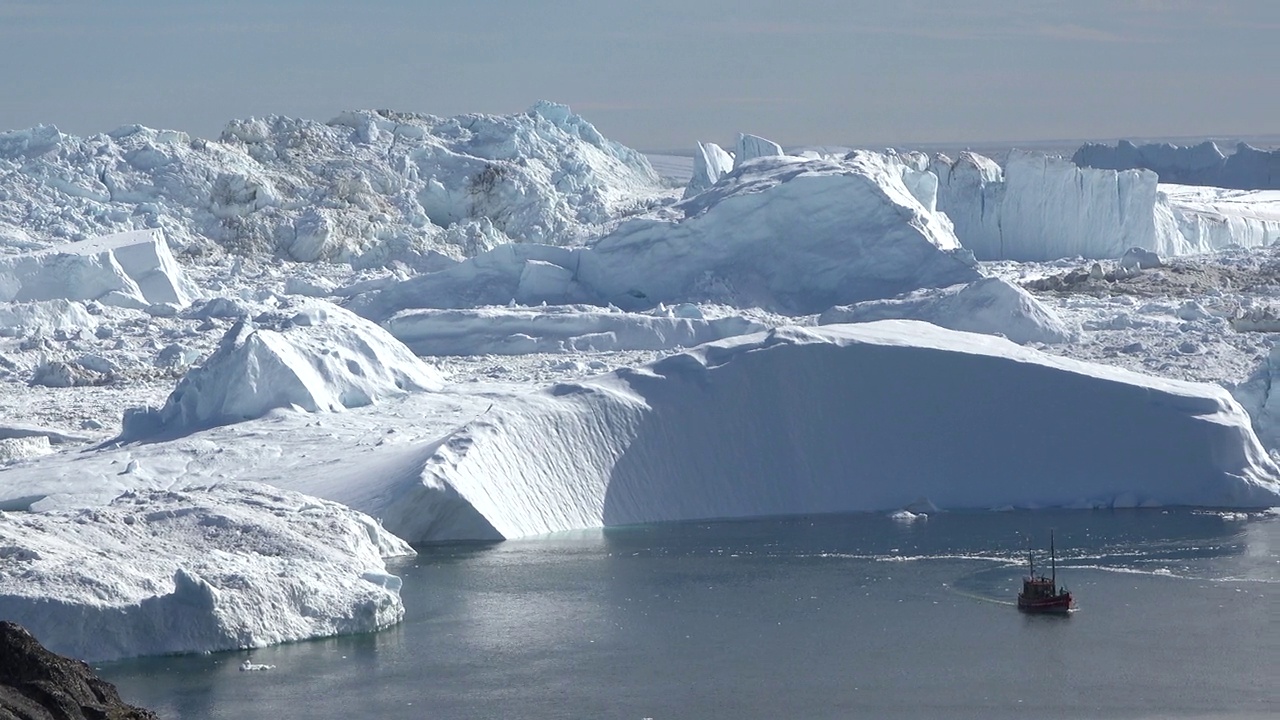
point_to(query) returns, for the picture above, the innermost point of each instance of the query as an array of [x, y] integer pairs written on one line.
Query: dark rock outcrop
[[36, 684]]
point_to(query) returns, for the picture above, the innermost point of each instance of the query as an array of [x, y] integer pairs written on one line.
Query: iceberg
[[1247, 168], [555, 329], [992, 306], [319, 358], [751, 147], [840, 418], [710, 163], [130, 269], [1040, 208], [784, 233], [234, 565]]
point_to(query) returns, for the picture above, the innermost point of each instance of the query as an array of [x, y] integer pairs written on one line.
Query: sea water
[[809, 617]]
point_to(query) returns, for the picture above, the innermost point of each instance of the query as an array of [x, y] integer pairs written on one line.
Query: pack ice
[[367, 188]]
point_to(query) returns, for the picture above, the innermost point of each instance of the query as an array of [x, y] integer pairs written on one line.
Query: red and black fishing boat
[[1041, 594]]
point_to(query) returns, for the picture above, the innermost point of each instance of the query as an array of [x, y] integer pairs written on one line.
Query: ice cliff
[[1040, 207]]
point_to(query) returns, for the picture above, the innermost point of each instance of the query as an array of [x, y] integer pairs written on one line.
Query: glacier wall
[[862, 417]]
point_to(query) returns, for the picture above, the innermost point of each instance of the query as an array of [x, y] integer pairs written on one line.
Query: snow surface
[[1247, 168], [570, 398], [993, 306], [233, 565]]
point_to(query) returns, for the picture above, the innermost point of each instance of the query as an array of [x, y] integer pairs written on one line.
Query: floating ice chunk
[[225, 567]]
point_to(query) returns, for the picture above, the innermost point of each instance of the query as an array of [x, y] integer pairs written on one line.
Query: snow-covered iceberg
[[368, 187], [992, 306], [839, 418], [317, 357], [785, 233], [131, 269], [230, 566]]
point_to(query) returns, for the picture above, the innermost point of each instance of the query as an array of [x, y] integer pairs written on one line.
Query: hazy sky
[[659, 74]]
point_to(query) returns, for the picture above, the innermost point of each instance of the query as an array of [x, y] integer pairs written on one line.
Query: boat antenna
[[1053, 561]]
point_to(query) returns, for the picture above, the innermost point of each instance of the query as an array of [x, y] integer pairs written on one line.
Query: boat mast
[[1053, 562]]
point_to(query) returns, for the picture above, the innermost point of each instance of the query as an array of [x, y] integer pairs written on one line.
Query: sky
[[659, 74]]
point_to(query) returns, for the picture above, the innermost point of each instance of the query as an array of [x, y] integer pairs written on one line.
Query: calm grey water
[[815, 617]]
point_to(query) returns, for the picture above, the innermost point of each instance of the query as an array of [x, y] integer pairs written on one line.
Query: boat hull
[[1057, 605]]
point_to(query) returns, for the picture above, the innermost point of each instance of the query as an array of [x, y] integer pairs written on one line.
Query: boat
[[1041, 594]]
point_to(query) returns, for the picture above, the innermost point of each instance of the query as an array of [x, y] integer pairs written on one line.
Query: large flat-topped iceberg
[[784, 233], [840, 418], [132, 269], [1247, 168], [1211, 217], [1041, 207], [235, 565]]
